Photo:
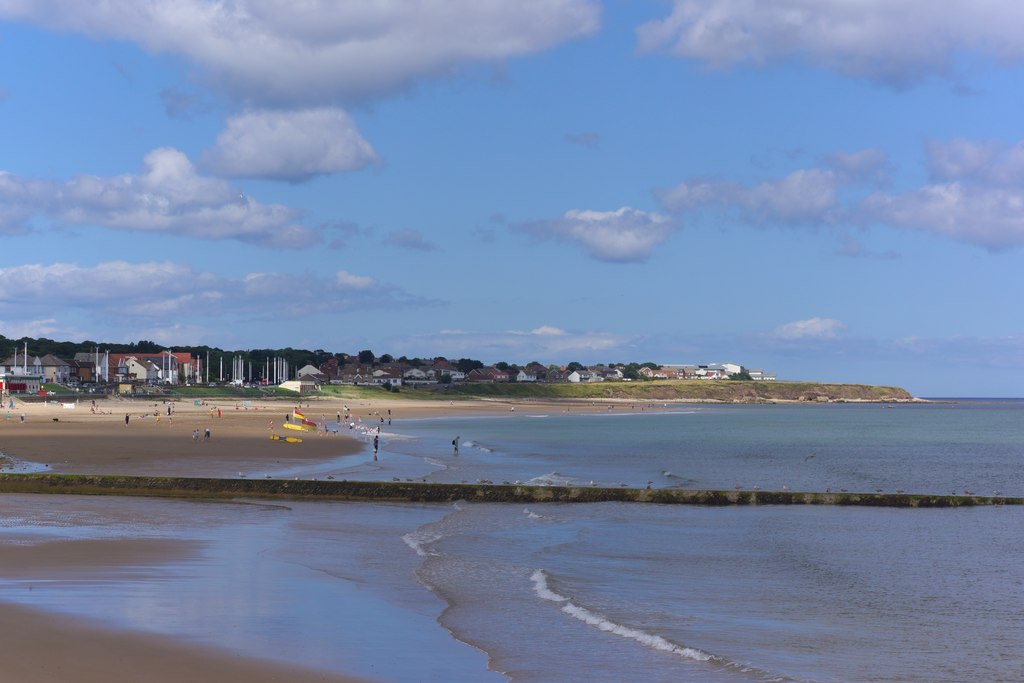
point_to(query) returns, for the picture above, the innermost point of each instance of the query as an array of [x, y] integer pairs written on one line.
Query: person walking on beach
[[206, 434], [126, 419], [455, 445]]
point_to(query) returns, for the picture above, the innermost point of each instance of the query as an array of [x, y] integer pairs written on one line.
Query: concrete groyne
[[300, 489]]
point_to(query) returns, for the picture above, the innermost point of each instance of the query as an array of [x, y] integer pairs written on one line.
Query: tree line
[[296, 357]]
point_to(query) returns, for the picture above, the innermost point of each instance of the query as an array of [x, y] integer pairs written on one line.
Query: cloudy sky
[[830, 190]]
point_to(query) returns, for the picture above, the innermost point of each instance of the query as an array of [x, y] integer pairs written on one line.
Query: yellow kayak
[[298, 428]]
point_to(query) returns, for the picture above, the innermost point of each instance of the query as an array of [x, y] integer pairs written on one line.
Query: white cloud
[[989, 217], [353, 281], [865, 163], [812, 328], [984, 161], [410, 239], [895, 42], [141, 292], [20, 200], [320, 51], [168, 196], [620, 236], [113, 282], [291, 145], [548, 330], [978, 197], [29, 328], [806, 196]]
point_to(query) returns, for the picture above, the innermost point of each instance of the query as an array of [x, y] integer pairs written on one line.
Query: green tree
[[366, 357], [146, 346], [468, 364]]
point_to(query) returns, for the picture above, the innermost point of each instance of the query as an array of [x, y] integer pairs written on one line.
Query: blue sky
[[831, 191]]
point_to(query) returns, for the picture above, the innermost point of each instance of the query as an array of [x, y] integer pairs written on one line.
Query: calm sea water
[[921, 448], [602, 592]]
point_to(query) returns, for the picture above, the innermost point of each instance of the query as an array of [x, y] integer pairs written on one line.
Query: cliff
[[724, 391]]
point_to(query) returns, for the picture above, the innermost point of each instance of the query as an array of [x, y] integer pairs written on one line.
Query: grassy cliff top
[[729, 391], [726, 391]]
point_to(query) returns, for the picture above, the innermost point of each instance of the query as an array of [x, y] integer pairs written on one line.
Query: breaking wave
[[418, 540], [543, 591], [655, 642]]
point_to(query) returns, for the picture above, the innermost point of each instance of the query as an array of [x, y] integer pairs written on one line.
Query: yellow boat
[[289, 439], [298, 428]]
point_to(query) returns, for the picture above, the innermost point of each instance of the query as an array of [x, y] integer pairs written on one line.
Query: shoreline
[[58, 648], [77, 441]]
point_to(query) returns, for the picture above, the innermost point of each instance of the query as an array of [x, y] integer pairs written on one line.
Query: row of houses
[[23, 373], [712, 371], [154, 368], [442, 371]]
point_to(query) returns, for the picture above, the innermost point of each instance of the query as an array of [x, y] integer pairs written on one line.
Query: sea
[[594, 592]]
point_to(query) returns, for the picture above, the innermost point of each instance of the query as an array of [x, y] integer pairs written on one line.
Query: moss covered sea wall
[[189, 487]]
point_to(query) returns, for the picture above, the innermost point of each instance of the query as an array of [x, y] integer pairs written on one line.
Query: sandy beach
[[99, 440], [58, 648], [80, 441]]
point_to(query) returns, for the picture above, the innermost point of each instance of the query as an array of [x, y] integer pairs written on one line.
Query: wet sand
[[78, 441], [54, 647], [61, 649]]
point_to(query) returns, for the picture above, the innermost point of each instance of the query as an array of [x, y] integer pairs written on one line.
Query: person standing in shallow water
[[455, 446]]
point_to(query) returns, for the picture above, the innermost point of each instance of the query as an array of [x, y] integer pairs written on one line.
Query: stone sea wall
[[189, 487]]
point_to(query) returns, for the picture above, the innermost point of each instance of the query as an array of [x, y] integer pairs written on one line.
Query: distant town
[[24, 372]]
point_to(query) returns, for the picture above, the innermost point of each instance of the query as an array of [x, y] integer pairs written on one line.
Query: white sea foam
[[435, 463], [417, 540], [530, 513], [550, 479], [656, 642], [396, 436], [540, 587], [477, 446]]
